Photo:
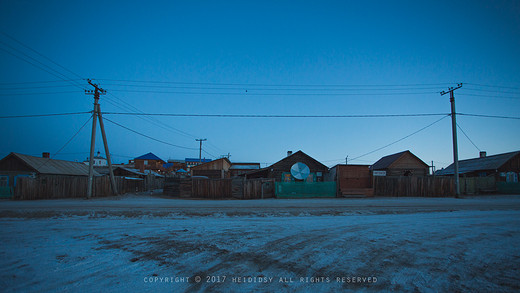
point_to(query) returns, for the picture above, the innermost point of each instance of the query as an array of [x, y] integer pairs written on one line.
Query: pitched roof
[[149, 156], [305, 155], [386, 162], [479, 164], [54, 167]]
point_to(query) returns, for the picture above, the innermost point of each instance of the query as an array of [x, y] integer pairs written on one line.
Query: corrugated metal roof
[[479, 164], [55, 167], [149, 156], [196, 160]]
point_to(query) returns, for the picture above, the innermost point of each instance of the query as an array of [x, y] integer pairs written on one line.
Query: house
[[217, 169], [192, 162], [281, 170], [149, 161], [238, 169], [17, 165], [352, 180], [401, 164], [504, 167], [99, 161]]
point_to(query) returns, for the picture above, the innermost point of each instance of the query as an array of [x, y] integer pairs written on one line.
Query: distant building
[[217, 169], [401, 164], [192, 162], [238, 169], [504, 167], [149, 161], [99, 161]]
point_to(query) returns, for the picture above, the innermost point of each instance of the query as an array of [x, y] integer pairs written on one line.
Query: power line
[[488, 116], [278, 116], [246, 93], [45, 67], [43, 115], [149, 137], [56, 153], [494, 86], [55, 63], [463, 132], [34, 87], [256, 88], [37, 82], [37, 93], [490, 96], [278, 85], [401, 139], [152, 120]]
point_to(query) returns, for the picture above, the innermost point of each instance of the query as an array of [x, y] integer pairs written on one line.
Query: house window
[[511, 177], [145, 162], [4, 181]]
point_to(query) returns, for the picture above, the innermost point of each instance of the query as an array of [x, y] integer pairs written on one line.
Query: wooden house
[[401, 164], [504, 167], [149, 161], [281, 170], [17, 165], [217, 169], [352, 180]]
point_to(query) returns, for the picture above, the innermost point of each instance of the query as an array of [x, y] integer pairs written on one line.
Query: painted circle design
[[300, 171]]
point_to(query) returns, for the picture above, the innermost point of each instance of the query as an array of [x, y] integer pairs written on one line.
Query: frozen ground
[[150, 244]]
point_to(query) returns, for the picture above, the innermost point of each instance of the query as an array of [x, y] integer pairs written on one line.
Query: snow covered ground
[[150, 244]]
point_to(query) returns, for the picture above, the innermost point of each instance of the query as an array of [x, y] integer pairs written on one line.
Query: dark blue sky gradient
[[392, 57]]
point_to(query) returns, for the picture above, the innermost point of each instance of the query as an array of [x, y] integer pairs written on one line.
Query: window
[[4, 181], [145, 162]]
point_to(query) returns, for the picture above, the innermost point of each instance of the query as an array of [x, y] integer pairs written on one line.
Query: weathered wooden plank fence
[[219, 188], [409, 186], [49, 187]]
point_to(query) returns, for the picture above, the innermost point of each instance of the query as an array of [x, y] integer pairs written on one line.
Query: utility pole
[[346, 160], [96, 114], [200, 148], [454, 134]]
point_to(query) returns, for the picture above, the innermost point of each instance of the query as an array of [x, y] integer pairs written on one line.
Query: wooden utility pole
[[96, 114], [200, 148], [454, 134]]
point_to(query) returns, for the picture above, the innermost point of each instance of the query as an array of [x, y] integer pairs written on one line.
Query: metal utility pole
[[200, 148], [96, 114], [454, 133]]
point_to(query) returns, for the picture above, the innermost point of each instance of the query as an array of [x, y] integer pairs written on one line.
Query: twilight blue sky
[[261, 58]]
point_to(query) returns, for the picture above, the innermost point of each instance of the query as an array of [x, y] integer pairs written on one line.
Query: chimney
[[46, 155], [483, 154], [289, 153]]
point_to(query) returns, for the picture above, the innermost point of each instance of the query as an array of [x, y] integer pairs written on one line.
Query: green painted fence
[[6, 192], [508, 187], [305, 189]]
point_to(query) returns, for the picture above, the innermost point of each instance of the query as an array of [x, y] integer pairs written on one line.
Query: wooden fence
[[49, 187], [219, 188], [428, 186]]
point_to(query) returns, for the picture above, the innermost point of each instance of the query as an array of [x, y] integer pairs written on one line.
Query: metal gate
[[305, 189]]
